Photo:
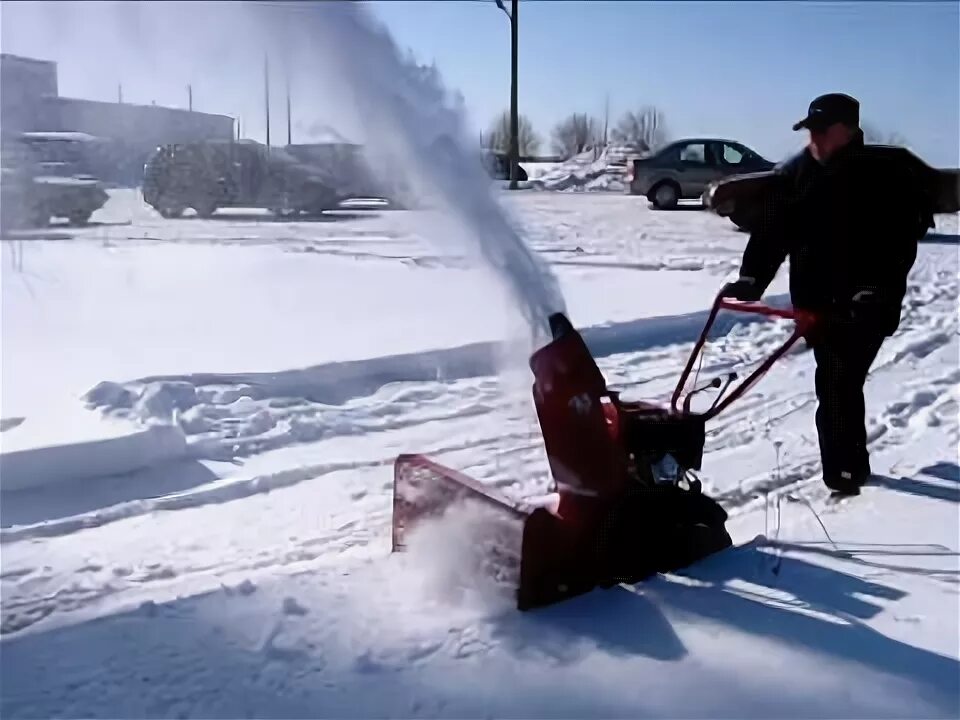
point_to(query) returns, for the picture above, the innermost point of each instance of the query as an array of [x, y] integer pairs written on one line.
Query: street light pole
[[266, 95], [514, 151], [289, 125], [514, 118]]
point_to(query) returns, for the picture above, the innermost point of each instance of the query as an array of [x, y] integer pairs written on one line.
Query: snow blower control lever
[[715, 383], [626, 503], [803, 322]]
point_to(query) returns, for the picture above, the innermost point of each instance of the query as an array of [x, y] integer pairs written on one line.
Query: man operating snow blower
[[848, 216]]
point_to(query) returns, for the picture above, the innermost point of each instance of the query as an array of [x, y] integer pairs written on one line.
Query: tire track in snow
[[799, 476], [404, 409], [893, 428], [928, 329], [731, 433], [222, 491]]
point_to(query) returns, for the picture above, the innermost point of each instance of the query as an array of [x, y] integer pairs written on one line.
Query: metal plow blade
[[523, 546], [488, 527]]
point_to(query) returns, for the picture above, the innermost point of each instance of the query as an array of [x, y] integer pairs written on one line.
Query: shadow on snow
[[181, 656]]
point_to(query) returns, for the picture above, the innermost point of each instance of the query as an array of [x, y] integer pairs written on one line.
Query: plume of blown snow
[[349, 80], [412, 124]]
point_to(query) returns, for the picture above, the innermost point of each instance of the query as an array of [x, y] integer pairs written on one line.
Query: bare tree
[[645, 128], [575, 134], [873, 135], [498, 137]]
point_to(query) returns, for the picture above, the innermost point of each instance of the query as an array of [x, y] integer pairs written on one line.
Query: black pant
[[844, 356]]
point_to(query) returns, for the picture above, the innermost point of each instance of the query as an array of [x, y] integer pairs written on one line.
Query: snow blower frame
[[626, 501]]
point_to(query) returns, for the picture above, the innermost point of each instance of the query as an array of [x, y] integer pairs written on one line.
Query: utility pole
[[289, 125], [606, 118], [190, 98], [514, 115], [266, 94]]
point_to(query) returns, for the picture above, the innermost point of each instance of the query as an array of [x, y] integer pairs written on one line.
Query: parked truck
[[207, 176], [43, 177]]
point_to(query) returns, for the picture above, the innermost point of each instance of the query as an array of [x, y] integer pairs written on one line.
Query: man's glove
[[743, 288]]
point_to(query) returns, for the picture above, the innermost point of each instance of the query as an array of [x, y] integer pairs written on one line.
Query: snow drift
[[587, 171], [112, 450]]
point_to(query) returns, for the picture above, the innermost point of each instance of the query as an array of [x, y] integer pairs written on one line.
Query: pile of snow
[[620, 154], [71, 443], [587, 171], [536, 170]]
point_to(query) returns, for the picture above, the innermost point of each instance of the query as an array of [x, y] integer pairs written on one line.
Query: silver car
[[683, 169]]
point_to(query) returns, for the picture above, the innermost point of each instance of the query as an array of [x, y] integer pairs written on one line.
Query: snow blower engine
[[626, 503]]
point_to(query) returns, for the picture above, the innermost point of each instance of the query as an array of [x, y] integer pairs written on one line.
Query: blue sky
[[745, 70], [742, 70]]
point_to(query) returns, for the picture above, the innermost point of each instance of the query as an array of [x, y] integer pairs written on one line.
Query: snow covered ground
[[237, 563]]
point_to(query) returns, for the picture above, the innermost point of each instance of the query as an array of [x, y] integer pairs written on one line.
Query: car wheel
[[39, 217], [665, 196], [79, 217], [205, 208], [169, 211]]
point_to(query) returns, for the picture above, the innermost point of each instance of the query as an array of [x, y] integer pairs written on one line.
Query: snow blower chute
[[626, 503]]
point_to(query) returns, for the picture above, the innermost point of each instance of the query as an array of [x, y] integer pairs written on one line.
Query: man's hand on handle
[[744, 289]]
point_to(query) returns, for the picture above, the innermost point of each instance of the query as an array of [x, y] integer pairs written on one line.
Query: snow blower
[[626, 502]]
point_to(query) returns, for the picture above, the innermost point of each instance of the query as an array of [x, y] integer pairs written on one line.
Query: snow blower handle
[[804, 321]]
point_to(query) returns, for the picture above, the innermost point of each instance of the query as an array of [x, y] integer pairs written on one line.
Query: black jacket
[[846, 226]]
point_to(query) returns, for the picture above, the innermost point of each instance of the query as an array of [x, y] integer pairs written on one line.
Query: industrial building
[[125, 134]]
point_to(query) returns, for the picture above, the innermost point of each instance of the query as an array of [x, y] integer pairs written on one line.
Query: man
[[848, 216]]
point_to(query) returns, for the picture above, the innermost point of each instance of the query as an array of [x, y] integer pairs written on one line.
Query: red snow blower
[[626, 502]]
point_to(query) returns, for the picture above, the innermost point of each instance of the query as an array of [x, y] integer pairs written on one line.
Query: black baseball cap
[[828, 109]]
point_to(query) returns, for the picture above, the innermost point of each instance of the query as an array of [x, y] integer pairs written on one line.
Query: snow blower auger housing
[[626, 502]]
